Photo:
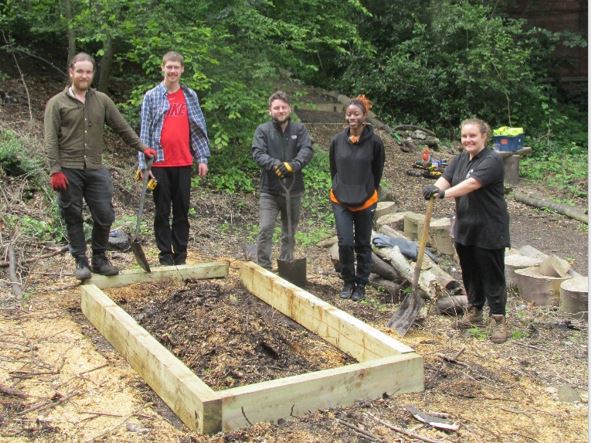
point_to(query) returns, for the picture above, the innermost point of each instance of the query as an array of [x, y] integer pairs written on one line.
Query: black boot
[[358, 293], [102, 265], [82, 269], [347, 290]]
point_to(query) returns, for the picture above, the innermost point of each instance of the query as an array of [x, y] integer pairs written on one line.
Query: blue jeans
[[354, 238], [269, 206], [96, 187]]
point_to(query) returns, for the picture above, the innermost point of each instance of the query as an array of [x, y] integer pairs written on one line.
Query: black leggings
[[483, 273]]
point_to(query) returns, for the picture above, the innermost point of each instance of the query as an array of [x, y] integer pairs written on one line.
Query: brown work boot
[[498, 327], [472, 318]]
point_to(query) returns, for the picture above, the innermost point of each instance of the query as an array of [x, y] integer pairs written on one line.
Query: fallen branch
[[49, 404], [12, 392], [541, 203], [16, 286], [400, 430], [359, 431], [39, 257]]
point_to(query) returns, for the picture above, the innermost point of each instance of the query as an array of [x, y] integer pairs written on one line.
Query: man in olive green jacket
[[74, 138]]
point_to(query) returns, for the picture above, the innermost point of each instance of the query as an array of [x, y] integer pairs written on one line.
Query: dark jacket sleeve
[[305, 150], [379, 158], [260, 150]]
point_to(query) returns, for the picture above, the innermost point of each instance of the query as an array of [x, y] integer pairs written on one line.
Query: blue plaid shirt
[[154, 109]]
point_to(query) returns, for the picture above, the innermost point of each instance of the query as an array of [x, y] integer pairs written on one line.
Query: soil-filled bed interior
[[224, 334]]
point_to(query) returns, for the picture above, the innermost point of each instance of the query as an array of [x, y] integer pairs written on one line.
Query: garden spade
[[404, 318], [294, 271], [136, 245]]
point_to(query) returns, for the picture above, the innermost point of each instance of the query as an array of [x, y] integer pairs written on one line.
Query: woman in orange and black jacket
[[356, 166]]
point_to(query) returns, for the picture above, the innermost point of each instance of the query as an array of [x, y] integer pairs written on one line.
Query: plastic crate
[[507, 143]]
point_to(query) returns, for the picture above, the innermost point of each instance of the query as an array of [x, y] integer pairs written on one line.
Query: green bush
[[15, 158]]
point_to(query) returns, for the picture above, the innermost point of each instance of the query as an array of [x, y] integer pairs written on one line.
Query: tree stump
[[442, 240], [514, 262], [384, 208], [541, 290], [395, 220], [411, 225], [574, 293]]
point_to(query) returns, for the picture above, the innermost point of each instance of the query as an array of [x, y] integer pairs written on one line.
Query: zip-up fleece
[[270, 145], [356, 169]]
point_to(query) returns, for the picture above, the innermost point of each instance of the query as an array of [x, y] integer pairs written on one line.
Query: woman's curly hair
[[363, 103]]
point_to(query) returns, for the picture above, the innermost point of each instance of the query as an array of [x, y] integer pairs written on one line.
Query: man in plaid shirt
[[172, 122]]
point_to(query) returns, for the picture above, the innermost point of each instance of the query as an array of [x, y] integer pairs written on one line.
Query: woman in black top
[[481, 232], [356, 166]]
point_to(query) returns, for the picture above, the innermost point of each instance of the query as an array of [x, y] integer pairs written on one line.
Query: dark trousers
[[354, 236], [174, 189], [96, 187], [269, 206], [483, 273]]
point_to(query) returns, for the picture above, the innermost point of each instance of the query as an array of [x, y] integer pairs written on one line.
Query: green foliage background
[[427, 62]]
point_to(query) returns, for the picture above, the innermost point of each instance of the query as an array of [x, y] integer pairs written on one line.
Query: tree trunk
[[70, 32], [106, 64]]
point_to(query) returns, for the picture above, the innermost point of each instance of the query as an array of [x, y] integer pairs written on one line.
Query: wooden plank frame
[[385, 366]]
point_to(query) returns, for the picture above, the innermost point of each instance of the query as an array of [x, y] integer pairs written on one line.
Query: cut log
[[530, 251], [452, 305], [511, 167], [516, 261], [574, 294], [432, 272], [538, 202], [384, 208], [327, 242], [383, 268], [433, 281], [395, 220], [541, 290], [440, 234], [411, 225], [334, 257], [554, 266], [393, 289]]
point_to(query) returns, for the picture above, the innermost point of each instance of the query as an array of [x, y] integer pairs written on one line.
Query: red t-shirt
[[174, 138]]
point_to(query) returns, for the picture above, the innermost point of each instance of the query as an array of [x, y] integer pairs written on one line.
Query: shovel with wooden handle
[[404, 318], [136, 245]]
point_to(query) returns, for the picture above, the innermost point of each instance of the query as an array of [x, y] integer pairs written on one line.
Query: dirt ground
[[60, 380]]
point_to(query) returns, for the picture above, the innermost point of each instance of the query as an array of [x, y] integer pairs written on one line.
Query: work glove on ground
[[59, 181], [150, 153], [431, 190]]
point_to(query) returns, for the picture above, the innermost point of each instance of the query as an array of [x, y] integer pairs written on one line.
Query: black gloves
[[431, 190], [283, 169]]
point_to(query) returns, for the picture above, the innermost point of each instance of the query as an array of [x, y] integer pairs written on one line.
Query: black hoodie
[[356, 169]]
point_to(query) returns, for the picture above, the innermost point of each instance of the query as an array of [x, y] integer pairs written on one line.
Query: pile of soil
[[225, 335]]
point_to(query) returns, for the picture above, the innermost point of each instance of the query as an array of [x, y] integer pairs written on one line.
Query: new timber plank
[[195, 403], [181, 272], [349, 334], [293, 396]]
